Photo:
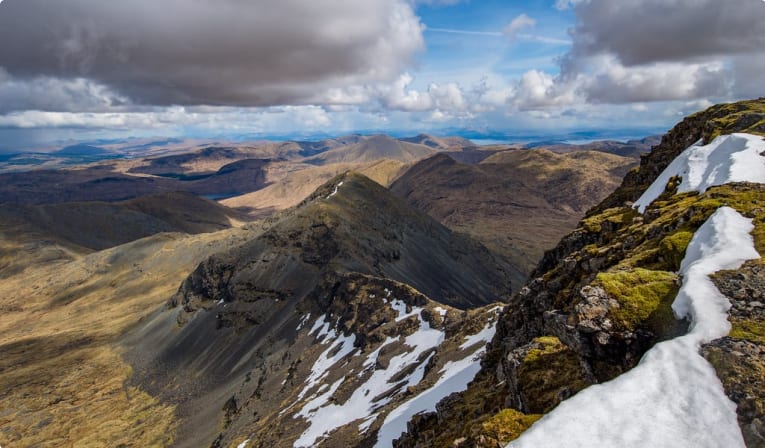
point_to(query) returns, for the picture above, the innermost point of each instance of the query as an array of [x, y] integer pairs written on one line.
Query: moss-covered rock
[[645, 297], [507, 425], [672, 247], [549, 373]]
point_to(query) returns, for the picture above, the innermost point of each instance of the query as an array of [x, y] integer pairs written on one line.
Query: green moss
[[618, 216], [549, 373], [672, 247], [508, 425], [644, 295], [751, 330], [743, 116]]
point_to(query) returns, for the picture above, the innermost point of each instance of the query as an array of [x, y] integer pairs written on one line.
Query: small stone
[[602, 338]]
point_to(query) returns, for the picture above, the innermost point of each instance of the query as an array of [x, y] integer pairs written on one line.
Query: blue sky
[[86, 69]]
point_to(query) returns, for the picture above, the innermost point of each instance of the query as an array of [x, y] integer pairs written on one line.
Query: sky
[[91, 69]]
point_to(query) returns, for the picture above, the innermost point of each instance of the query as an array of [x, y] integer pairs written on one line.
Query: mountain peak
[[346, 272]]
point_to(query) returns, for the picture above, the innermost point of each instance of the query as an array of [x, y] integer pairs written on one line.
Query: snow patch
[[372, 357], [243, 444], [320, 322], [303, 322], [334, 192], [455, 377], [673, 397], [376, 392], [399, 306], [441, 311], [483, 337], [341, 347], [728, 158]]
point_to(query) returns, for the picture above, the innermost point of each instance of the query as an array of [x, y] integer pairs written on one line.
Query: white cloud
[[567, 4], [637, 51], [399, 96], [537, 90], [517, 24], [612, 82]]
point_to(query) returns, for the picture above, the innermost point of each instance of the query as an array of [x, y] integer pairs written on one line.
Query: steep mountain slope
[[606, 295], [518, 202], [281, 340], [372, 148]]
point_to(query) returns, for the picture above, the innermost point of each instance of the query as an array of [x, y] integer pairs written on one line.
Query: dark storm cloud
[[656, 50], [645, 31], [222, 52]]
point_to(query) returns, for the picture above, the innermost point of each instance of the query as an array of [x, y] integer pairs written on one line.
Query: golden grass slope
[[63, 381]]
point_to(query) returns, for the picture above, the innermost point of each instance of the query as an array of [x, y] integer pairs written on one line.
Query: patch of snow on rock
[[482, 337], [320, 322], [303, 321], [341, 347], [728, 158], [455, 377], [399, 306], [334, 192]]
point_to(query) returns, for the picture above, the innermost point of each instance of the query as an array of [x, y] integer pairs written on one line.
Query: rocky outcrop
[[600, 299], [743, 116]]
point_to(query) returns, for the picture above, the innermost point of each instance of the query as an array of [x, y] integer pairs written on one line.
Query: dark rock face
[[600, 299]]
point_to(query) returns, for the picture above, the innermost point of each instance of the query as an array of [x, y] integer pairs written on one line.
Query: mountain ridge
[[247, 311], [599, 300]]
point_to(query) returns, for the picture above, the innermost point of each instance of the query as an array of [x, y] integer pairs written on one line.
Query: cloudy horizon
[[86, 69]]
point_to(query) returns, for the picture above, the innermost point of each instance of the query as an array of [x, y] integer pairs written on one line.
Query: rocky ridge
[[602, 298], [351, 303]]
